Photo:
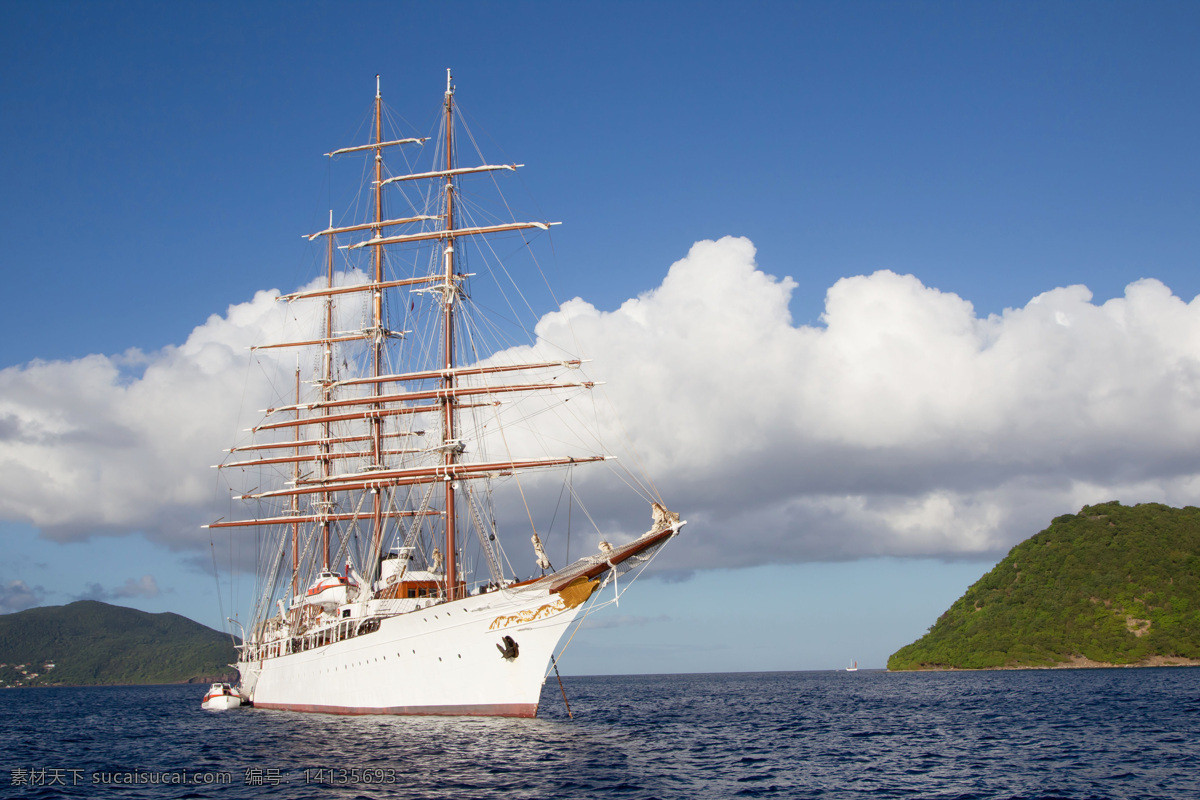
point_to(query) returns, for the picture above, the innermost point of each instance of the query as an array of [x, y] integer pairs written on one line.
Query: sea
[[1082, 733]]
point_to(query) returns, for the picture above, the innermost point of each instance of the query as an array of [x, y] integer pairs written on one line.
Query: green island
[[88, 643], [1112, 585]]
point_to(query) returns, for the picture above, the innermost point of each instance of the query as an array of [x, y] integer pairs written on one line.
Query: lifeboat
[[220, 697], [329, 591]]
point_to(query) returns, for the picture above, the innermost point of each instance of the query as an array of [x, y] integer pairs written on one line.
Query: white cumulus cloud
[[903, 424], [110, 445], [906, 424]]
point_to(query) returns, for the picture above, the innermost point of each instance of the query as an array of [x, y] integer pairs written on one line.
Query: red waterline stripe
[[490, 710]]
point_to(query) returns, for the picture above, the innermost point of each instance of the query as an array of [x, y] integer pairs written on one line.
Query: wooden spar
[[332, 231], [319, 442], [430, 394], [354, 337], [368, 414], [460, 371], [359, 287], [248, 523], [454, 234], [368, 481], [617, 556], [446, 173], [315, 458], [376, 145], [449, 289], [457, 469], [415, 476]]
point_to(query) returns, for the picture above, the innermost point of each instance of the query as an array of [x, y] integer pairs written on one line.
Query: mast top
[[449, 86], [377, 87]]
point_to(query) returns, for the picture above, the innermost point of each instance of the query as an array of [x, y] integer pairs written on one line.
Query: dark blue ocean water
[[1120, 733]]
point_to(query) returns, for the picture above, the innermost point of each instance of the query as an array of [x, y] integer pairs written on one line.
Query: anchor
[[509, 650]]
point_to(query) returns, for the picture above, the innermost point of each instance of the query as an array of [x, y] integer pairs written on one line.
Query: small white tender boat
[[220, 697]]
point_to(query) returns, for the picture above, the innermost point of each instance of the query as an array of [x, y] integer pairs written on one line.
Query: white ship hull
[[442, 660]]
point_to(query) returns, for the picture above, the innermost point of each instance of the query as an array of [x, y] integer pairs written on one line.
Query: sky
[[904, 281]]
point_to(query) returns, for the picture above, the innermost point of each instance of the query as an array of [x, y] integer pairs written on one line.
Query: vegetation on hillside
[[92, 643], [1113, 584]]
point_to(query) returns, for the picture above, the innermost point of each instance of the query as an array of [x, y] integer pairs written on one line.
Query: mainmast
[[379, 337], [449, 289]]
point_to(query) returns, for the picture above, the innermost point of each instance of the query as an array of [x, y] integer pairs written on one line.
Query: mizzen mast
[[295, 507]]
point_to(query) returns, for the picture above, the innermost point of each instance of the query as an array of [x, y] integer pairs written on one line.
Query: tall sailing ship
[[377, 482]]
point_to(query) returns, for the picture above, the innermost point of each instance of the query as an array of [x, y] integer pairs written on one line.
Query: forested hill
[[1112, 584], [90, 643]]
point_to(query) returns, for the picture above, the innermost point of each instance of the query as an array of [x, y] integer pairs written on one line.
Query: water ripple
[[1074, 735]]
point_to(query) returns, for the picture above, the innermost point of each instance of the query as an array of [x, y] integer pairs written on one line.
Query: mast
[[377, 355], [449, 289], [326, 505], [296, 501]]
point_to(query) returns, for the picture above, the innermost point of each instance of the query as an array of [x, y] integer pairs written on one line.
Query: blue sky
[[159, 162]]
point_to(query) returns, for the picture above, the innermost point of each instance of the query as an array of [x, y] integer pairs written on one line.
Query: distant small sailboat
[[853, 667]]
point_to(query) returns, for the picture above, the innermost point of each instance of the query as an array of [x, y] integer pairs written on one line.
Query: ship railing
[[345, 629]]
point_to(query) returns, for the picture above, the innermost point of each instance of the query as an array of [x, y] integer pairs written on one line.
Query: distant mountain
[[91, 643], [1111, 585]]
